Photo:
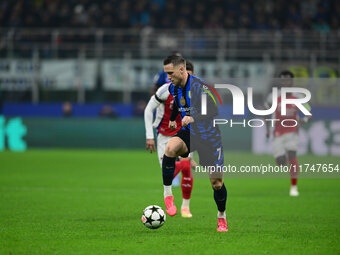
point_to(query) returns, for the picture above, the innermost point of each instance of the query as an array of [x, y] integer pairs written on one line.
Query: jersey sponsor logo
[[185, 109]]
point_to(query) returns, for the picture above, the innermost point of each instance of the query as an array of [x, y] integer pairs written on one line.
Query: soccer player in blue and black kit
[[197, 133]]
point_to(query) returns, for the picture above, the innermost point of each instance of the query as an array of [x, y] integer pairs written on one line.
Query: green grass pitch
[[90, 202]]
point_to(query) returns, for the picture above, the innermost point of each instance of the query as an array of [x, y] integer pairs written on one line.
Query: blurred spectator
[[67, 109], [334, 23], [321, 25], [108, 111]]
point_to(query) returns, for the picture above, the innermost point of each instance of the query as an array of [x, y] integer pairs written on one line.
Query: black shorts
[[210, 152], [184, 134]]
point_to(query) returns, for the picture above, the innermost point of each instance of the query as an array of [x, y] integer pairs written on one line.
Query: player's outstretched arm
[[173, 116], [305, 119], [148, 119], [150, 145]]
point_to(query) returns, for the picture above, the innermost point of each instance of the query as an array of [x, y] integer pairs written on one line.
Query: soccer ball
[[153, 217]]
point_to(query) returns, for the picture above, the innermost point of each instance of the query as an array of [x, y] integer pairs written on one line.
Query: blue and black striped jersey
[[187, 102]]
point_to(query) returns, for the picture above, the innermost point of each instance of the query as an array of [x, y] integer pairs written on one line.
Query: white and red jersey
[[291, 114], [163, 102]]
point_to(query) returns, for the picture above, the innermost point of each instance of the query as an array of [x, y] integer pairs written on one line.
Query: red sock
[[187, 179], [178, 168], [294, 170]]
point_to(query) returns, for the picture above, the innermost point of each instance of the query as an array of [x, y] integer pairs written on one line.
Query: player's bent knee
[[173, 147], [169, 151], [216, 184]]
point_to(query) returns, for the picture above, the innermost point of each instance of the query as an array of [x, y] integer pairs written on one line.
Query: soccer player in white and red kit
[[163, 102], [286, 138]]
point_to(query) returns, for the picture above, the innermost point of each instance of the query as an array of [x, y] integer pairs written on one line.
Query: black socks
[[220, 197], [168, 169]]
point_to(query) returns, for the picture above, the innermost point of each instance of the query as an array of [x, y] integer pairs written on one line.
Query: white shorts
[[162, 141], [284, 143]]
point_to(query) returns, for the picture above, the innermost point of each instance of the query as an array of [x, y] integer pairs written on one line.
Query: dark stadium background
[[75, 77]]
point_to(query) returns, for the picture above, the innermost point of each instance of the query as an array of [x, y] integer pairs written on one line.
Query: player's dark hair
[[189, 66], [286, 73], [175, 60]]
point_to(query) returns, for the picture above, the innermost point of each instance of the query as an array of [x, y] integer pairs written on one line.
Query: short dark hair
[[189, 66], [175, 60], [286, 73]]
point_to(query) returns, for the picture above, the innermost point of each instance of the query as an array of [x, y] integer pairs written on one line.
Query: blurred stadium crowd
[[322, 16], [110, 50]]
